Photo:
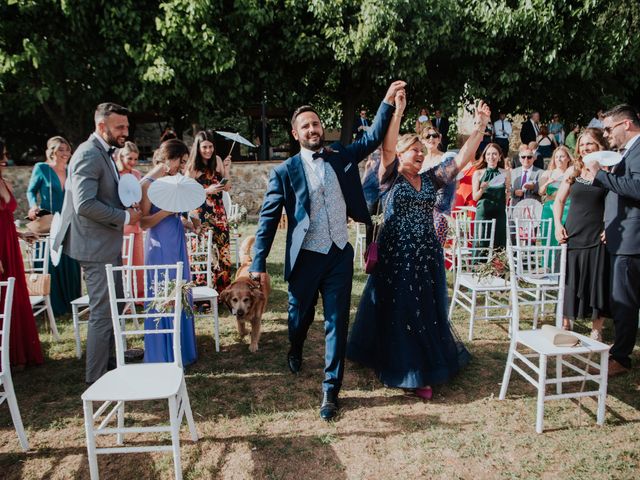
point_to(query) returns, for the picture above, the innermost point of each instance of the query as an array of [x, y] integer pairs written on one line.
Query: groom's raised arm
[[373, 137]]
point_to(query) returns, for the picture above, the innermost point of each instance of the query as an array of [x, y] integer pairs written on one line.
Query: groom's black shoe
[[329, 407], [294, 359]]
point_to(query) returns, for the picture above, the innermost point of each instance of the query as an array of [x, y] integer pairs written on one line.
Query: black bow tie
[[317, 155], [111, 151]]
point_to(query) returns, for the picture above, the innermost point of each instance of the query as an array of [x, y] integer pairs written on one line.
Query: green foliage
[[203, 61]]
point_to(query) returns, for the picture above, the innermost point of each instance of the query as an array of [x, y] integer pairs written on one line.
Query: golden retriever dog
[[247, 299]]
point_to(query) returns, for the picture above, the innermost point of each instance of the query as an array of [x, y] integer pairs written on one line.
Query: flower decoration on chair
[[496, 266], [238, 218], [167, 306]]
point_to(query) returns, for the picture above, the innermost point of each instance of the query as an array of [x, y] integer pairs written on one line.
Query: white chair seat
[[470, 280], [81, 301], [35, 299], [136, 382], [540, 280], [534, 340], [203, 293]]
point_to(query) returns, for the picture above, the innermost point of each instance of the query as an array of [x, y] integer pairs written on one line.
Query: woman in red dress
[[209, 170], [24, 345]]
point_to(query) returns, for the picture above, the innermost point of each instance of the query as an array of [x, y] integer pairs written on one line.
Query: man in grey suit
[[92, 226], [524, 179]]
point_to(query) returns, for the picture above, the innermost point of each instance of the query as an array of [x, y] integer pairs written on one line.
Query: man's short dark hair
[[106, 109], [624, 112], [299, 111]]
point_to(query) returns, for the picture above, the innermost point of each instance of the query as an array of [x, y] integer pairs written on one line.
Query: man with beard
[[93, 219], [319, 188], [622, 229]]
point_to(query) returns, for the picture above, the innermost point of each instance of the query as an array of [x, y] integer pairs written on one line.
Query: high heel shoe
[[425, 393]]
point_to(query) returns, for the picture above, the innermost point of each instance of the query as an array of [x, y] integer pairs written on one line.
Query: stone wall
[[248, 184]]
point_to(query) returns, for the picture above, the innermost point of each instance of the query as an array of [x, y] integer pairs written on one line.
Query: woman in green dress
[[549, 184], [47, 182], [489, 190]]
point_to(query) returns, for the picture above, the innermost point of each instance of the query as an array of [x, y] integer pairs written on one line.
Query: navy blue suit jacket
[[288, 188], [622, 204]]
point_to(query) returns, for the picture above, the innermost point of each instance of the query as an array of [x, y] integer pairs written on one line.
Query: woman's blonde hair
[[129, 147], [53, 144], [598, 136], [563, 148], [405, 141]]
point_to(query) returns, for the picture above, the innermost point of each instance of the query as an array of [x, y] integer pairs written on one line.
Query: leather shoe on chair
[[329, 407], [294, 360]]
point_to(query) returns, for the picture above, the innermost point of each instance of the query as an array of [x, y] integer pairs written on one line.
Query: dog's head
[[241, 296]]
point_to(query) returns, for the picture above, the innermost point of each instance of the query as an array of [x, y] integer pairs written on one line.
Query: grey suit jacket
[[516, 184], [622, 204], [92, 214]]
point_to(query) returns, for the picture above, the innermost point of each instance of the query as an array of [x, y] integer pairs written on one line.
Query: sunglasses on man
[[431, 135], [526, 156]]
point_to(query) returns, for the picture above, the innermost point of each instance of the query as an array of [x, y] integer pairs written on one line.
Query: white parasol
[[129, 190], [529, 209], [176, 193], [605, 158], [55, 255], [237, 138], [497, 181]]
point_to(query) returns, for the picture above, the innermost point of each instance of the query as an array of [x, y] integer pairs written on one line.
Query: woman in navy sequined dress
[[402, 329]]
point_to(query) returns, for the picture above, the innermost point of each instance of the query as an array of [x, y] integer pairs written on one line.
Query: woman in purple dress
[[166, 244]]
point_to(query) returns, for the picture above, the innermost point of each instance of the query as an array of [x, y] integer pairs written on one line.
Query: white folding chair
[[6, 383], [361, 241], [530, 232], [83, 301], [140, 382], [577, 359], [201, 257], [37, 262], [542, 290], [472, 250]]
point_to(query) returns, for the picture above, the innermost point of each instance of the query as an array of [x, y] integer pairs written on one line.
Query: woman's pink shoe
[[425, 392]]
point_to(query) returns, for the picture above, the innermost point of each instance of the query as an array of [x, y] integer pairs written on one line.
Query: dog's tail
[[245, 250]]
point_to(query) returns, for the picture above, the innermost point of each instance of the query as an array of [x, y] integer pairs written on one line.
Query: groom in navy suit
[[319, 188]]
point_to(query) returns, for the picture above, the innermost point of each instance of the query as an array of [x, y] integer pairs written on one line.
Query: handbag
[[38, 284], [371, 256]]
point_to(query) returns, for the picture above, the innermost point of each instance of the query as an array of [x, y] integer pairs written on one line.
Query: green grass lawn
[[256, 420]]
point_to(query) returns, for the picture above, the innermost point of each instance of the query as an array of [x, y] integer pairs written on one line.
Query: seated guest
[[47, 182], [491, 194], [524, 179], [587, 287]]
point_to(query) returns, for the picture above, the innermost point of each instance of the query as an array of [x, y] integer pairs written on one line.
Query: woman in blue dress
[[166, 244], [47, 182], [402, 330]]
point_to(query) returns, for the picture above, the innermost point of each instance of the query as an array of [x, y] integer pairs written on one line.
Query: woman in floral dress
[[213, 174]]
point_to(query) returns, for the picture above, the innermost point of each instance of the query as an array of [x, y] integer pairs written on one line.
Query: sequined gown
[[401, 329]]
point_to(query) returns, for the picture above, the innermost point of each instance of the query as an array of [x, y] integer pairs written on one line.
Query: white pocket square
[[346, 169]]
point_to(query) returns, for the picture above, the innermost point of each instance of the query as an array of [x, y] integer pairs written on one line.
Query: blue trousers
[[329, 275]]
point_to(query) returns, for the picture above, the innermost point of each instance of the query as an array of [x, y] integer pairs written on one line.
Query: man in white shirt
[[502, 131], [596, 122]]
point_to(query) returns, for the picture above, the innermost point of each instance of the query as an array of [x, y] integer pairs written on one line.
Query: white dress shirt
[[503, 128], [106, 147], [315, 166]]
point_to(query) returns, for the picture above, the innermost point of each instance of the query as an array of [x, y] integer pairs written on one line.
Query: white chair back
[[36, 259], [6, 293], [129, 282], [537, 271], [530, 232], [201, 255], [163, 287], [474, 243]]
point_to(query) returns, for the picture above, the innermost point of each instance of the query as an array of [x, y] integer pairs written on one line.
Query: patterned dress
[[214, 217], [402, 329]]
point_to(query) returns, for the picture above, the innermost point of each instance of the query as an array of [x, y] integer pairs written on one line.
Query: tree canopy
[[202, 61]]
